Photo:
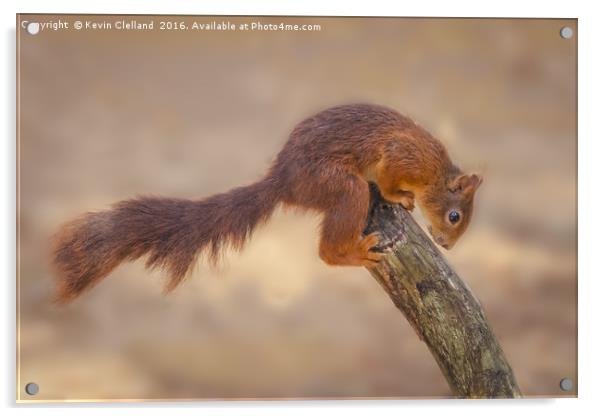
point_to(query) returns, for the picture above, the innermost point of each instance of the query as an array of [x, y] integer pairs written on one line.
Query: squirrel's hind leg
[[341, 240]]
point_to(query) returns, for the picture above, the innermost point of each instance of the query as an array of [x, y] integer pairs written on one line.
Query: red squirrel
[[325, 166]]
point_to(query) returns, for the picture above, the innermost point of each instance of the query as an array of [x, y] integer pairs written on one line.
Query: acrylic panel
[[243, 147]]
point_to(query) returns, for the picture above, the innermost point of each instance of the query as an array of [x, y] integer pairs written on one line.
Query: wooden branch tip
[[439, 306]]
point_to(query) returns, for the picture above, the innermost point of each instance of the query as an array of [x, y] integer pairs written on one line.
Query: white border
[[590, 150]]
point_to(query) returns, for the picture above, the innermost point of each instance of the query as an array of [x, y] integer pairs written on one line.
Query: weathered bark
[[440, 307]]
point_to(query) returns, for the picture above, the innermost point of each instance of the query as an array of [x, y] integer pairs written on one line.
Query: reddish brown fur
[[324, 167]]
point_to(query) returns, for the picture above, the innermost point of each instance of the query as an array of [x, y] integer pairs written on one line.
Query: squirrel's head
[[449, 209]]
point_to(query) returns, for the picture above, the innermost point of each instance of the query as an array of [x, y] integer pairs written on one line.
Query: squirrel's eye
[[454, 217]]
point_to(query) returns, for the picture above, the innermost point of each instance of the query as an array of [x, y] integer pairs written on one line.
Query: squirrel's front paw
[[407, 200]]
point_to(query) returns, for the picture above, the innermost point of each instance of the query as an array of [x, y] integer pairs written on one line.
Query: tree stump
[[439, 306]]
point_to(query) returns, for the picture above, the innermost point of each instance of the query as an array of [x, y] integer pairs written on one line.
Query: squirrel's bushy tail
[[173, 232]]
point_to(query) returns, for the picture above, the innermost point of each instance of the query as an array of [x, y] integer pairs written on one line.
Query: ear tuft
[[476, 180], [457, 183], [465, 183]]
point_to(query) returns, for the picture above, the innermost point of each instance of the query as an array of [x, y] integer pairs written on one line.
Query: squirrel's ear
[[465, 183], [478, 180]]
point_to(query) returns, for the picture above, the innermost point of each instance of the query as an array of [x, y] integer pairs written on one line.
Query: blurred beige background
[[107, 115]]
